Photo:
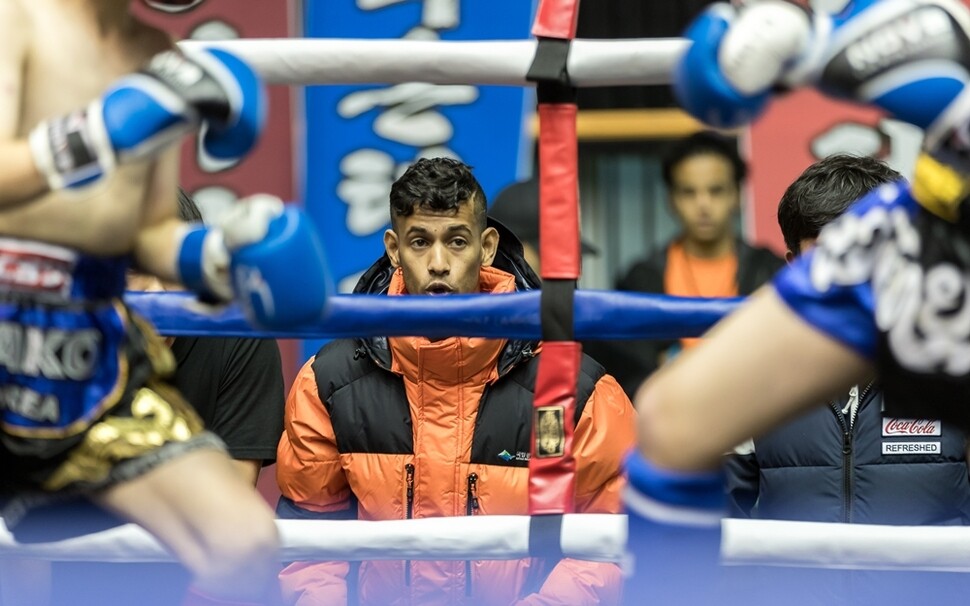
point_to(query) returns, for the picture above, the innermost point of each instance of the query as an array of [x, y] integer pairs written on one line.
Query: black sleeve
[[758, 267], [742, 484], [642, 277], [632, 361], [249, 407]]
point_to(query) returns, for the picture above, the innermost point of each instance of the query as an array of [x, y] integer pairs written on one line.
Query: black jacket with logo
[[821, 467]]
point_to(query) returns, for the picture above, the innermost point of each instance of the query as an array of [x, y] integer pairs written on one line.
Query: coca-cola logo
[[910, 427]]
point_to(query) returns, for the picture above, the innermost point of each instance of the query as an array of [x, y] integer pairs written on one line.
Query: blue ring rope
[[598, 314]]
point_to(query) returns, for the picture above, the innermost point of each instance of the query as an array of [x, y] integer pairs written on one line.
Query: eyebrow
[[451, 229]]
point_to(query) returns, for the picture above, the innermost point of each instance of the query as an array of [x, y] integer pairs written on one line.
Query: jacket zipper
[[847, 429], [846, 463], [471, 506], [409, 512], [862, 398], [847, 475], [847, 444]]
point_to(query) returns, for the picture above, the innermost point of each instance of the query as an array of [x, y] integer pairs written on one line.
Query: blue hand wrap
[[674, 533], [190, 268]]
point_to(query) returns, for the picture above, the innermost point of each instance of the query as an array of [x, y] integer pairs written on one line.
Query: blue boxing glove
[[736, 58], [226, 141], [144, 112], [264, 255], [907, 57], [674, 533]]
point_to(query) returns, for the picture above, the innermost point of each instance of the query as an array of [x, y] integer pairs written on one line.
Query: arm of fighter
[[753, 366], [19, 178], [758, 367], [145, 112], [262, 254]]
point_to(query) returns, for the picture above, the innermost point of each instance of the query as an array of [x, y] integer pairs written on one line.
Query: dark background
[[633, 19]]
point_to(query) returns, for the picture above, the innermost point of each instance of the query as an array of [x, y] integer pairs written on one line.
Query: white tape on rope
[[298, 61], [849, 546], [598, 537]]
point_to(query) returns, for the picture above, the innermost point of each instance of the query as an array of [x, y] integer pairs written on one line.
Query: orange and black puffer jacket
[[398, 428]]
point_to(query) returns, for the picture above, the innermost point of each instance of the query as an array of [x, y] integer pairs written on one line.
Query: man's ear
[[489, 246], [789, 256], [392, 247]]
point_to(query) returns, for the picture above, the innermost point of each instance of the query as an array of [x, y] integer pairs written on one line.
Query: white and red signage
[[910, 427]]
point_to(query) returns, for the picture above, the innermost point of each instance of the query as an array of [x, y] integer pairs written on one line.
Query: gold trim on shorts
[[159, 415]]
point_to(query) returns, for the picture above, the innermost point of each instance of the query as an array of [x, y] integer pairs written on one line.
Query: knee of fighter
[[242, 550]]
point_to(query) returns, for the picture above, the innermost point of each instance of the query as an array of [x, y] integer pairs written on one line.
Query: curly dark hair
[[699, 144], [824, 191], [438, 185]]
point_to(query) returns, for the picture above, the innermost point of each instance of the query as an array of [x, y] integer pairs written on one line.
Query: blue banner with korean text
[[359, 139]]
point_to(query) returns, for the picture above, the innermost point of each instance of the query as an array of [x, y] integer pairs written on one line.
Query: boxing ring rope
[[597, 537], [598, 314], [591, 63]]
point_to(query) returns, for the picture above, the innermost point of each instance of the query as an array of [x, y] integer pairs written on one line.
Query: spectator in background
[[411, 427], [704, 175], [517, 207]]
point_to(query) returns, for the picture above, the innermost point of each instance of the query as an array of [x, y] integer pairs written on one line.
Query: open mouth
[[438, 289]]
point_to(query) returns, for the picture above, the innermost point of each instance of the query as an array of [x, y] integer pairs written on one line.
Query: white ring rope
[[311, 61], [597, 537], [845, 546]]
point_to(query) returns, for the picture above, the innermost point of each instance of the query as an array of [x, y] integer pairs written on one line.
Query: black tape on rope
[[545, 536], [556, 310], [549, 63]]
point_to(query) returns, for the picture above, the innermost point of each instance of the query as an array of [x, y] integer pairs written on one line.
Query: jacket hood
[[509, 258]]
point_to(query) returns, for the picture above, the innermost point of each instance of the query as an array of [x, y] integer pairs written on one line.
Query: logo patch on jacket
[[518, 456], [550, 431], [910, 427]]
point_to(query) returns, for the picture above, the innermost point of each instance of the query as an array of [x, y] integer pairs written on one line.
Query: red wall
[[779, 146]]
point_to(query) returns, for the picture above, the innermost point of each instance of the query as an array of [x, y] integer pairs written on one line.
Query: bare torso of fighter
[[71, 59]]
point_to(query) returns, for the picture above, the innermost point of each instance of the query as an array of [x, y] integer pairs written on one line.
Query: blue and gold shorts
[[84, 398]]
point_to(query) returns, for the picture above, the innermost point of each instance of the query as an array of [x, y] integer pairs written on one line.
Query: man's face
[[704, 196], [440, 253]]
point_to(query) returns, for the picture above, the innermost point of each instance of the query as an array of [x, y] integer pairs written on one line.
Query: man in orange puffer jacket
[[407, 427]]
